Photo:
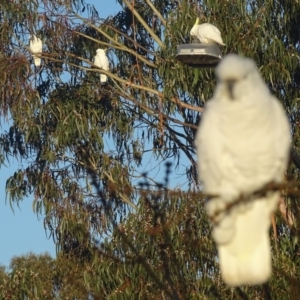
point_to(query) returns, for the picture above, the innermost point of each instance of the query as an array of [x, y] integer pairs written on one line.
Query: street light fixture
[[199, 55]]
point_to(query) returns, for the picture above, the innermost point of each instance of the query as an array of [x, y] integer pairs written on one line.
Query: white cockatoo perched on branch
[[36, 46], [206, 33], [243, 144], [102, 62]]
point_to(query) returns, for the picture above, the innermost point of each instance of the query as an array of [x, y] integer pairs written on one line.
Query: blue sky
[[21, 232]]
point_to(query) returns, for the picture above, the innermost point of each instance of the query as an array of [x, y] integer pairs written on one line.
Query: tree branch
[[152, 111], [136, 86], [289, 187], [120, 47], [181, 104], [156, 12], [138, 16]]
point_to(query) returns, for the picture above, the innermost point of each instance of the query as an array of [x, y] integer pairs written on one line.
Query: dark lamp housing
[[199, 55]]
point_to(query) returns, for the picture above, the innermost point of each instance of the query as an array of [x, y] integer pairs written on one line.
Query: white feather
[[36, 46], [206, 33], [102, 62], [242, 144]]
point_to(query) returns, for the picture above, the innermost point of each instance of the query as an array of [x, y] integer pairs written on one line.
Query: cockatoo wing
[[36, 46], [97, 61], [242, 144], [245, 143], [105, 66], [102, 62], [209, 34]]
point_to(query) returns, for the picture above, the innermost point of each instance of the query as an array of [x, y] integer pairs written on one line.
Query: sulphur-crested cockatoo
[[206, 33], [102, 62], [36, 46], [243, 144]]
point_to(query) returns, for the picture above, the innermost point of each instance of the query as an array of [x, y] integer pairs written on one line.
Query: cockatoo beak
[[197, 21], [230, 83]]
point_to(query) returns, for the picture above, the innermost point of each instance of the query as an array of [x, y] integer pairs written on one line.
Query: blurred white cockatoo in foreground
[[36, 46], [102, 62], [243, 144], [206, 33]]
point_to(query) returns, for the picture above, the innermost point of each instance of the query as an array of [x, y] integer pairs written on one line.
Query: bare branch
[[156, 12], [120, 47], [126, 82], [154, 36], [288, 187]]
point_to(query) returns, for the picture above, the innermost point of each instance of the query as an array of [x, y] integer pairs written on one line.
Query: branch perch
[[272, 186]]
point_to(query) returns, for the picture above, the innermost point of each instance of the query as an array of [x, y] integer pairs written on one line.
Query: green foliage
[[29, 278], [85, 146]]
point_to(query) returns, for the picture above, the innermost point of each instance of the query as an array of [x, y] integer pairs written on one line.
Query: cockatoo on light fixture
[[36, 46], [243, 144], [206, 33], [102, 62]]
